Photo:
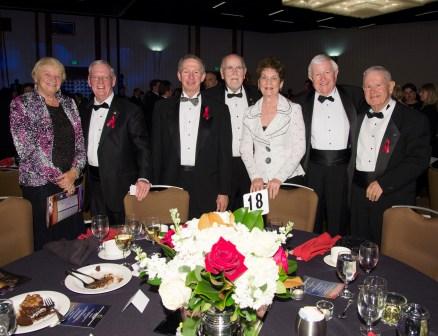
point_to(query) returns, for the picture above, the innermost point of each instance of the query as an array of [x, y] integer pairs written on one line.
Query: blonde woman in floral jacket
[[47, 133]]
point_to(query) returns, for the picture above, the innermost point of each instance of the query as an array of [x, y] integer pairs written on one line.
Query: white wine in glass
[[123, 241], [153, 228]]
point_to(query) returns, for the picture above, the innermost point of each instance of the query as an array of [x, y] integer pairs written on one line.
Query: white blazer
[[277, 151]]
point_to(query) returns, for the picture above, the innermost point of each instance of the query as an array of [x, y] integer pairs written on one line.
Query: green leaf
[[281, 289], [239, 215], [154, 282], [167, 251], [292, 266], [206, 290], [184, 269], [254, 219], [190, 326]]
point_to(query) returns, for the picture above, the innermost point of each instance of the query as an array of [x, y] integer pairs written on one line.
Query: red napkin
[[315, 246], [7, 162], [111, 234]]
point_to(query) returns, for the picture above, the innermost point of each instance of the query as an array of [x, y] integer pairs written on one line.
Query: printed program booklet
[[322, 288], [85, 315]]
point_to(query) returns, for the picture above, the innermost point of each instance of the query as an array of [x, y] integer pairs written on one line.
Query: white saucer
[[328, 260], [102, 255]]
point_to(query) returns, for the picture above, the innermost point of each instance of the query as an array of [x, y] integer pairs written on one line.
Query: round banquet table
[[47, 272]]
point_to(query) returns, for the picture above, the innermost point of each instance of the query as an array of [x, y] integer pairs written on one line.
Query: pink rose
[[167, 239], [224, 257], [280, 258]]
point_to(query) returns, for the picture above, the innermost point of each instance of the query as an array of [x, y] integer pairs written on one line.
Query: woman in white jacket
[[273, 136]]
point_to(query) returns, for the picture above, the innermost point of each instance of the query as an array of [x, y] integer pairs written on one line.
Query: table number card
[[257, 200], [139, 301]]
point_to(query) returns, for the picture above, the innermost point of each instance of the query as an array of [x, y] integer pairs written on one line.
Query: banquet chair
[[9, 185], [16, 229], [157, 204], [409, 234], [298, 205], [433, 187]]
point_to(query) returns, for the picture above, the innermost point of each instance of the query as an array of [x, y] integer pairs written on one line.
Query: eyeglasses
[[100, 78]]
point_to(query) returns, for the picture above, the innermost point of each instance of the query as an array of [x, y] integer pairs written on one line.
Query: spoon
[[344, 313]]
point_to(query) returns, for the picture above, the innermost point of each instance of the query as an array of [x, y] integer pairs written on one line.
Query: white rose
[[174, 294]]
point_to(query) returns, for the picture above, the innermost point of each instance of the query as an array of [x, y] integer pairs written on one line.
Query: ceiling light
[[283, 21], [426, 13], [219, 4], [356, 8], [326, 19], [327, 27], [276, 12], [231, 14]]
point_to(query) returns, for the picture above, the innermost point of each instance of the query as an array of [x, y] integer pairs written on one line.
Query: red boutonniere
[[206, 113], [112, 122], [386, 146]]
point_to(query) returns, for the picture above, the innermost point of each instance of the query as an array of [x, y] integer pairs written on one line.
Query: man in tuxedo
[[391, 153], [117, 145], [329, 113], [238, 98], [191, 142]]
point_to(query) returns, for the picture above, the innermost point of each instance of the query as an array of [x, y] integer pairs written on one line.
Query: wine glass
[[347, 271], [134, 226], [370, 304], [368, 255], [100, 228], [123, 241], [8, 322], [153, 228]]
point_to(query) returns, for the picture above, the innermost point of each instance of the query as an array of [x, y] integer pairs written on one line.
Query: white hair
[[378, 68], [318, 59]]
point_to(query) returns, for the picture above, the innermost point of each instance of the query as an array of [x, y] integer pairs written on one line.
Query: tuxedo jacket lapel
[[173, 124], [113, 112], [206, 114], [389, 141]]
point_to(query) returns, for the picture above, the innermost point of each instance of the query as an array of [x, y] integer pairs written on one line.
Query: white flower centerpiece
[[221, 261]]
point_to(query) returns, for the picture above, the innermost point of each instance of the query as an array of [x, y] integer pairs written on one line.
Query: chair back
[[297, 205], [433, 187], [9, 185], [411, 238], [16, 229], [158, 203]]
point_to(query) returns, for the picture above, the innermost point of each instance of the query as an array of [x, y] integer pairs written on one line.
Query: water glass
[[376, 281], [395, 302], [8, 323], [100, 228], [368, 255], [346, 268], [370, 305], [135, 227]]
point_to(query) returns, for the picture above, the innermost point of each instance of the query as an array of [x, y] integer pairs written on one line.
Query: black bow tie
[[238, 95], [194, 101], [378, 115], [322, 99], [103, 105]]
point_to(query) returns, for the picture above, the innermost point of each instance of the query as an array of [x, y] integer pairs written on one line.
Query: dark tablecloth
[[47, 273]]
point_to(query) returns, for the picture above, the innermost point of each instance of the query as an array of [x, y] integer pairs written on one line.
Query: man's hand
[[142, 189], [221, 203], [374, 191], [273, 188], [257, 184]]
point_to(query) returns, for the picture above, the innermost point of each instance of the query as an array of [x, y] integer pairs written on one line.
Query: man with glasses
[[191, 142], [117, 146], [238, 97]]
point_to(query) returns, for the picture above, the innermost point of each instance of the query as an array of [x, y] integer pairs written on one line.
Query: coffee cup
[[335, 250], [111, 248]]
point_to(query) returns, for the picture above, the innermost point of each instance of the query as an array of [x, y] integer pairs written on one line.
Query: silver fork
[[48, 302]]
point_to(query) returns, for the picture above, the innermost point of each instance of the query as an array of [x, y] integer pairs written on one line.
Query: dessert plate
[[62, 303], [122, 275]]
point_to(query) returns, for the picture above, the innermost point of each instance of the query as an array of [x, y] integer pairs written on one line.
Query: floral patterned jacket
[[32, 131]]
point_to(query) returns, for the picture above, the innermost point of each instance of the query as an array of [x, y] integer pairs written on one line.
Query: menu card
[[85, 315], [9, 281], [322, 288]]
